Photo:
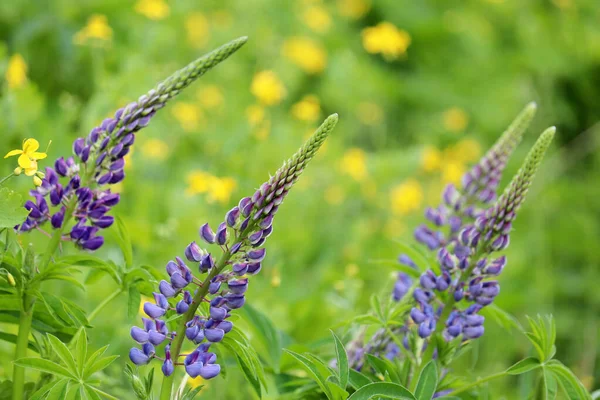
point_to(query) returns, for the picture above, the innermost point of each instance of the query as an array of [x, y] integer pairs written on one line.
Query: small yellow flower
[[155, 149], [352, 270], [195, 382], [455, 119], [188, 115], [431, 159], [198, 182], [467, 150], [267, 88], [307, 109], [386, 39], [210, 96], [220, 190], [354, 163], [144, 300], [406, 197], [276, 278], [317, 18], [255, 114], [354, 9], [198, 29], [369, 113], [16, 73], [28, 156], [37, 181], [152, 9], [305, 53], [452, 172], [97, 28]]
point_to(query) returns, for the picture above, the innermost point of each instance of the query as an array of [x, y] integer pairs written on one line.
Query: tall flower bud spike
[[240, 236], [79, 187]]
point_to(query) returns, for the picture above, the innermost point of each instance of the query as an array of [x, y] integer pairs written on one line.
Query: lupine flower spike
[[79, 186], [241, 237]]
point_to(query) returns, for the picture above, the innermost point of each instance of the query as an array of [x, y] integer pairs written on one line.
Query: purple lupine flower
[[98, 162], [240, 236]]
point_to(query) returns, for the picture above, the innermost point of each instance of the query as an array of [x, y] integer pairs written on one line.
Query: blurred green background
[[422, 89]]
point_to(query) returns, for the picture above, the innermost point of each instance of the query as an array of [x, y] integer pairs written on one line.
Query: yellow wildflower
[[96, 28], [387, 39], [406, 197], [352, 270], [432, 159], [354, 9], [155, 149], [187, 114], [317, 18], [267, 88], [197, 29], [369, 113], [276, 278], [354, 163], [28, 156], [144, 300], [452, 172], [16, 73], [198, 182], [152, 9], [220, 190], [255, 114], [306, 54], [307, 109], [195, 382], [467, 150], [210, 96], [335, 195], [455, 119]]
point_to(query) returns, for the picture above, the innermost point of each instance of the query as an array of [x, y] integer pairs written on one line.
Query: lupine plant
[[437, 306], [71, 202]]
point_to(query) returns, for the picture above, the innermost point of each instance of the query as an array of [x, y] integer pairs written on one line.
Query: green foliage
[[11, 204]]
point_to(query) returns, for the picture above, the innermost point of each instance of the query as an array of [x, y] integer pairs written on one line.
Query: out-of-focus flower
[[467, 150], [197, 28], [152, 9], [431, 159], [16, 73], [275, 278], [307, 109], [354, 163], [255, 114], [220, 190], [155, 149], [267, 88], [455, 119], [188, 115], [354, 9], [369, 113], [386, 39], [198, 182], [335, 195], [317, 18], [452, 172], [406, 197], [197, 381], [211, 96], [305, 53], [564, 4], [96, 28]]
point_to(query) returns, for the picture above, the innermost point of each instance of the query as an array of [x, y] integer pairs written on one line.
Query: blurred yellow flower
[[97, 28], [211, 96], [198, 182], [564, 4], [335, 195], [352, 270], [155, 149], [467, 150], [152, 9], [307, 109], [198, 29], [369, 113], [16, 73], [354, 9], [431, 159], [452, 172], [267, 88], [144, 300], [387, 39], [406, 197], [354, 163], [220, 190], [317, 18], [195, 382], [275, 278], [255, 114], [455, 119], [339, 285], [188, 115], [306, 54]]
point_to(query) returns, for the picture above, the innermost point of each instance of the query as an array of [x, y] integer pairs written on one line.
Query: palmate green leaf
[[59, 390], [91, 392], [567, 380], [81, 350], [88, 261], [92, 360], [10, 338], [191, 394], [525, 365], [62, 351], [133, 302], [342, 361], [124, 241], [313, 371], [42, 391], [427, 382], [376, 307], [384, 367], [44, 365], [99, 365], [13, 213], [267, 333], [384, 389], [243, 358], [548, 385], [503, 318], [357, 379]]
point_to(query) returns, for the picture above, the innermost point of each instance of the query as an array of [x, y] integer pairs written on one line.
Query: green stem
[[97, 310], [167, 383], [477, 383], [57, 235], [6, 178], [21, 349]]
